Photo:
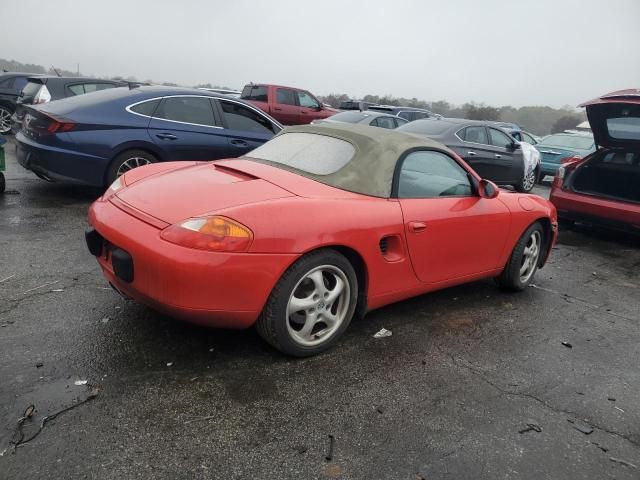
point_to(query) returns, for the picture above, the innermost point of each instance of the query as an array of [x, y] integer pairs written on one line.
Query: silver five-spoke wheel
[[530, 256], [318, 305], [5, 120], [529, 181], [131, 163]]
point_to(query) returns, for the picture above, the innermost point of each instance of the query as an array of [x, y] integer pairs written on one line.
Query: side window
[[517, 136], [77, 89], [195, 110], [285, 96], [306, 100], [94, 87], [476, 134], [400, 121], [500, 139], [406, 115], [20, 83], [419, 115], [386, 122], [145, 108], [240, 117], [528, 138], [257, 93], [430, 174], [7, 83]]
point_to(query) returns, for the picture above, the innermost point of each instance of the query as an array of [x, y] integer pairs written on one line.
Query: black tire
[[275, 323], [114, 170], [522, 187], [3, 184], [5, 119], [511, 278]]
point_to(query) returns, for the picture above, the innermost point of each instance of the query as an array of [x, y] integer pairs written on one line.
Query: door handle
[[497, 155], [166, 136], [238, 143], [471, 154], [417, 227]]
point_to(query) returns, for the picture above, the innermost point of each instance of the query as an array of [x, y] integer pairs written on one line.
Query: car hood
[[615, 118], [194, 190]]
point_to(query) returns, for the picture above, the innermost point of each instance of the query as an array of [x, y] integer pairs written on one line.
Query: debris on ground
[[618, 408], [58, 290], [80, 382], [39, 287], [18, 439], [604, 449], [332, 442], [382, 333], [611, 399], [567, 344], [105, 320], [301, 449], [7, 278], [380, 409], [622, 462], [531, 427], [586, 429], [39, 364], [169, 364]]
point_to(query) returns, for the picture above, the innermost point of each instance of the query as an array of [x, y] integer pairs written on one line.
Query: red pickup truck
[[290, 106]]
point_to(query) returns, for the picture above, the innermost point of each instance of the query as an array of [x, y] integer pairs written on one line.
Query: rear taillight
[[573, 158], [57, 126], [43, 124], [567, 165], [43, 95], [215, 233]]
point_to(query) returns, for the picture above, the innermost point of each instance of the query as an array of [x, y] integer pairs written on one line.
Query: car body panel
[[551, 154]]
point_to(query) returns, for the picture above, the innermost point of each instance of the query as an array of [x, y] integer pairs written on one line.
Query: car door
[[245, 128], [309, 107], [473, 146], [451, 231], [286, 107], [508, 162], [185, 127]]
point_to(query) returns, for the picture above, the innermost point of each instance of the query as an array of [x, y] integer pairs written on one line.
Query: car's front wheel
[[5, 120], [528, 182], [523, 263], [311, 305], [128, 161]]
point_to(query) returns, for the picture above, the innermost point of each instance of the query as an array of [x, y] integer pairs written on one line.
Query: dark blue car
[[94, 138]]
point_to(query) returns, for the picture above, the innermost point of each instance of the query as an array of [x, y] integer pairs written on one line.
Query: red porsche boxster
[[319, 224]]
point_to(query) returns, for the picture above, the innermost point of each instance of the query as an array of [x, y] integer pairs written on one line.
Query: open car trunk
[[614, 175]]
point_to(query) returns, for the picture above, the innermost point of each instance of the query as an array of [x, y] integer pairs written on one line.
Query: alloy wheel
[[131, 163], [318, 305], [530, 256], [5, 120], [529, 181]]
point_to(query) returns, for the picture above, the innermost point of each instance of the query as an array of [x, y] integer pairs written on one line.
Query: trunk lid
[[196, 191], [615, 118]]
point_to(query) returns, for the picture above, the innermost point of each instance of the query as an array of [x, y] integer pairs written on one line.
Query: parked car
[[408, 113], [45, 88], [355, 105], [95, 138], [374, 119], [604, 187], [554, 148], [290, 106], [222, 91], [339, 247], [488, 150], [11, 84]]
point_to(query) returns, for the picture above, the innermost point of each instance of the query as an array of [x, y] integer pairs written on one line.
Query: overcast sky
[[519, 52]]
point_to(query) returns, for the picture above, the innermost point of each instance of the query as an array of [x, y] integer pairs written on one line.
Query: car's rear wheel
[[311, 305], [5, 120], [528, 182], [128, 161], [523, 263]]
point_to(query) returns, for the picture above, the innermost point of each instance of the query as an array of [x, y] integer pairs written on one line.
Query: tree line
[[540, 120]]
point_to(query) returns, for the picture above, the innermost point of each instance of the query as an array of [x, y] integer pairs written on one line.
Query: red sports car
[[604, 187], [319, 224]]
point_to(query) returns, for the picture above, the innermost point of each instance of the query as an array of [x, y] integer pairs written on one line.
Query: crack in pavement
[[478, 372]]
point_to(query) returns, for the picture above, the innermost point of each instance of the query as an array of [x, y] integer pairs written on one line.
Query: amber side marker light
[[216, 233]]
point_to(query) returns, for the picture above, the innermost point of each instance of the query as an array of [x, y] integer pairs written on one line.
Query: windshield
[[307, 152], [624, 128], [426, 127], [569, 141]]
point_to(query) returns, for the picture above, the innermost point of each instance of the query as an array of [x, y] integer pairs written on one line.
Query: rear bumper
[[216, 289], [548, 168], [60, 164], [596, 210]]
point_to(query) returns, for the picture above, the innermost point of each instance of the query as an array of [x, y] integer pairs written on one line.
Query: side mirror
[[514, 146], [488, 189]]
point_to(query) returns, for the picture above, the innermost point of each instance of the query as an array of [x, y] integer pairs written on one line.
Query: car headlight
[[215, 233]]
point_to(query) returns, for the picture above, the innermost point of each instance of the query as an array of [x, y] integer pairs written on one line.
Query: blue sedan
[[93, 139], [553, 148]]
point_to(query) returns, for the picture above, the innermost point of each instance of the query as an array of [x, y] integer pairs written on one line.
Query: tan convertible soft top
[[377, 150]]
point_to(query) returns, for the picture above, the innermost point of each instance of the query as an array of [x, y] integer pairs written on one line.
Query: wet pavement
[[445, 396]]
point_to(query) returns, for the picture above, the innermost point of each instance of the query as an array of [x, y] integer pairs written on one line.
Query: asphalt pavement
[[473, 383]]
